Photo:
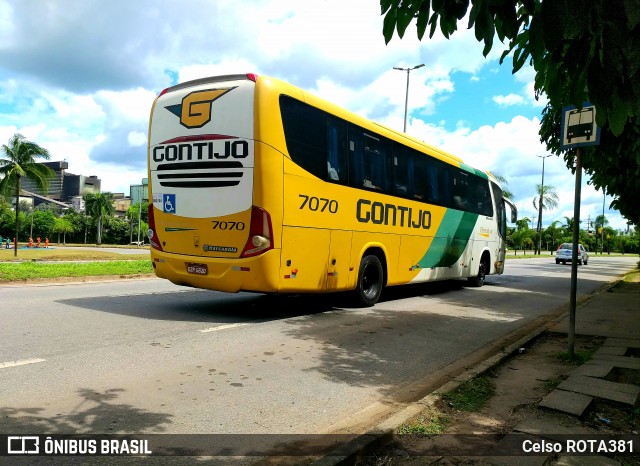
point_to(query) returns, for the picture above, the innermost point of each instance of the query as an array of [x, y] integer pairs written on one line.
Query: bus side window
[[370, 161], [336, 150], [403, 172], [483, 197], [378, 163], [461, 190], [304, 130], [409, 173], [419, 178]]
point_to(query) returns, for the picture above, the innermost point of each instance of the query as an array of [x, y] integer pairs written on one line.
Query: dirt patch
[[520, 383]]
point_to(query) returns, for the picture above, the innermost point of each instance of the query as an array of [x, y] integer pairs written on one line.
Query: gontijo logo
[[195, 109]]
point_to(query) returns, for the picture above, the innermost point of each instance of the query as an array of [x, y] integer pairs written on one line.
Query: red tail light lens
[[260, 233], [154, 241]]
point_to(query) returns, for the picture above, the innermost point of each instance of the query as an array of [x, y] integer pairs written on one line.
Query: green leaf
[[386, 4], [473, 14], [433, 22], [406, 14], [438, 5], [389, 25], [536, 39], [423, 18], [632, 11], [618, 113]]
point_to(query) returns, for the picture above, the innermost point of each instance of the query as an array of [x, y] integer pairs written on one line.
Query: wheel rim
[[370, 281]]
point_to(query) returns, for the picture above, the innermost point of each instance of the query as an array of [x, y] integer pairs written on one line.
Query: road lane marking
[[4, 365], [221, 327]]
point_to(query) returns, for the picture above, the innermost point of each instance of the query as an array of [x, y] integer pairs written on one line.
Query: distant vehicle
[[565, 252]]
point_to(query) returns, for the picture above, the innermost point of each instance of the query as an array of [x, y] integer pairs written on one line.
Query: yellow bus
[[257, 185]]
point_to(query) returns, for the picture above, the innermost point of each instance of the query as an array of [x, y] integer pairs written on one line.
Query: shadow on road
[[95, 413]]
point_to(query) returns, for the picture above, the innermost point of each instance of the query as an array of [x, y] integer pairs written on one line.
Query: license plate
[[197, 269]]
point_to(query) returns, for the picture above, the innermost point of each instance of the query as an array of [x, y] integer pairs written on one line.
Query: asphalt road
[[145, 356]]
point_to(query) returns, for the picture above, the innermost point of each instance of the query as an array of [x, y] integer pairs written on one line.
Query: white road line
[[220, 327], [4, 365]]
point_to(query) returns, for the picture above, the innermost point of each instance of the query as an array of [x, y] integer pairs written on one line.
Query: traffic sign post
[[578, 129]]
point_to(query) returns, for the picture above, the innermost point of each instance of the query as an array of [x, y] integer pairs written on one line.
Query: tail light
[[260, 233], [154, 241]]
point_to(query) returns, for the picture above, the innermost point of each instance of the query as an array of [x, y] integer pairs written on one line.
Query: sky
[[79, 78]]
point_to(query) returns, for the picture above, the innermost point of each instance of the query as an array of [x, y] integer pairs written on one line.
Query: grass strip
[[429, 423], [18, 271], [471, 395]]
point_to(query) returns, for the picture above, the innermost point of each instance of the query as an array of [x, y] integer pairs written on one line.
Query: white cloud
[[508, 100], [80, 77]]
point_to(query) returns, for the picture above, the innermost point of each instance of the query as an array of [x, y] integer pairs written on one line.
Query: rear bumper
[[259, 273]]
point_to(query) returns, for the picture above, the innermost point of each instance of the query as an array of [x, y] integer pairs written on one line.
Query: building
[[139, 192], [64, 187]]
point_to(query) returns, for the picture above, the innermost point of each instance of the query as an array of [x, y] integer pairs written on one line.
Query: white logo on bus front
[[169, 203]]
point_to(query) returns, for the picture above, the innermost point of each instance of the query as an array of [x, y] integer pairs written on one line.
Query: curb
[[384, 432]]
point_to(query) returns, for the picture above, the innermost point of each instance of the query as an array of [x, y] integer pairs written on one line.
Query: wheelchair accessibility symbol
[[169, 203]]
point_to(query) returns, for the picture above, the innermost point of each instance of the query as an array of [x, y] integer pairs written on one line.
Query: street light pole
[[540, 205], [406, 99]]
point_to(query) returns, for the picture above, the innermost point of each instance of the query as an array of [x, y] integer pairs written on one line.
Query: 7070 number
[[217, 225], [316, 204]]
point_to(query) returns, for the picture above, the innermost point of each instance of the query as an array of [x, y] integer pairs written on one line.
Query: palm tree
[[568, 224], [17, 160], [546, 199], [503, 183], [63, 225], [552, 230], [98, 205], [523, 223]]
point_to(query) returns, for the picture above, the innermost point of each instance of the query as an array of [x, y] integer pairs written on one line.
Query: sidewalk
[[610, 377]]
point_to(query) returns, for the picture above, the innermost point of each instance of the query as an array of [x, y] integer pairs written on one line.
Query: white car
[[565, 252]]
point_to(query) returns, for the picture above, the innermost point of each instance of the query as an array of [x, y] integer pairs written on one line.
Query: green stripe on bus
[[451, 239], [475, 171]]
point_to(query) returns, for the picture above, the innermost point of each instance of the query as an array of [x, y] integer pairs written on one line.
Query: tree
[[590, 56], [63, 225], [595, 50], [523, 223], [600, 222], [546, 199], [137, 214], [98, 205], [503, 183], [552, 231], [17, 160]]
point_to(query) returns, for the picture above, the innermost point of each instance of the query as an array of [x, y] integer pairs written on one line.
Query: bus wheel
[[370, 277], [478, 280]]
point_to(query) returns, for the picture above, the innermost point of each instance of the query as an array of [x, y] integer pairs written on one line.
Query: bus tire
[[370, 281], [478, 280]]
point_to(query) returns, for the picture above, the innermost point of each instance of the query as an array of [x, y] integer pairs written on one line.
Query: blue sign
[[169, 203], [578, 127]]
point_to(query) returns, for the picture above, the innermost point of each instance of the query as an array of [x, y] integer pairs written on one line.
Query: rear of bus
[[204, 228]]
